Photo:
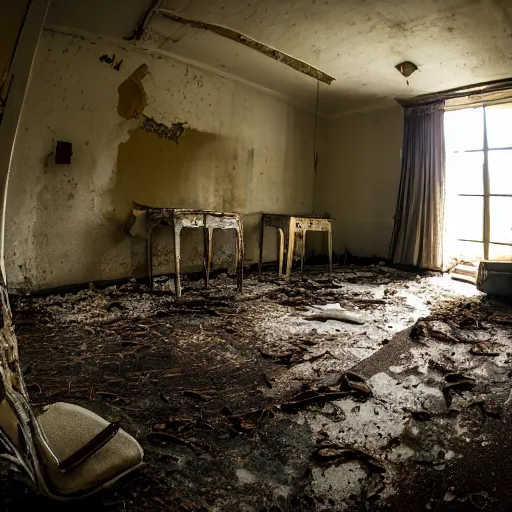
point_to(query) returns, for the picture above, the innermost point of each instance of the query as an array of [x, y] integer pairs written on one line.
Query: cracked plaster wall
[[242, 150], [359, 186]]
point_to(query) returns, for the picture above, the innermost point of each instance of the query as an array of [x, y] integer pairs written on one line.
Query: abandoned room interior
[[256, 255]]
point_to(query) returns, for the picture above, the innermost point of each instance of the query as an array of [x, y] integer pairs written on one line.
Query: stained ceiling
[[358, 42]]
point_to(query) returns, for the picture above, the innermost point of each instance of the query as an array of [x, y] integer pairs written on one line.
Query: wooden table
[[177, 219], [288, 226]]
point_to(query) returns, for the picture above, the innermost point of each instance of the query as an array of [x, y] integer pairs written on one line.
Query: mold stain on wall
[[240, 151], [200, 172]]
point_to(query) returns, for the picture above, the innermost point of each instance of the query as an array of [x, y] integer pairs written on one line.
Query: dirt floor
[[373, 389]]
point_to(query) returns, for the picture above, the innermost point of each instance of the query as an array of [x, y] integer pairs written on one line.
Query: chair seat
[[69, 427]]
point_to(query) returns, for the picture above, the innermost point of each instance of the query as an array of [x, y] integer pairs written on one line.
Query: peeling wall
[[359, 187], [240, 150]]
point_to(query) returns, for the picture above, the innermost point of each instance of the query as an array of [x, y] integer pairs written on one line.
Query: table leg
[[260, 255], [280, 252], [329, 243], [291, 246], [208, 253], [177, 254], [149, 256], [303, 251], [240, 255]]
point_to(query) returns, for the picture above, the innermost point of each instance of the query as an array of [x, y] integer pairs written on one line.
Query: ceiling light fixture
[[406, 68]]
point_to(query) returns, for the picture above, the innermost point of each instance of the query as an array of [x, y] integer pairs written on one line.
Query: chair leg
[[329, 243], [260, 254], [177, 254]]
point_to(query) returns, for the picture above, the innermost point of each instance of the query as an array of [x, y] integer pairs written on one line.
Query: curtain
[[419, 219]]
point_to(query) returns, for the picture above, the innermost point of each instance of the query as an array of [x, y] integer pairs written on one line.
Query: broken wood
[[166, 437], [311, 397], [349, 384], [351, 381], [249, 420], [335, 454], [204, 396], [282, 358], [245, 40]]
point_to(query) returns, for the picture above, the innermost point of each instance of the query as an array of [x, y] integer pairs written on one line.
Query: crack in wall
[[144, 21]]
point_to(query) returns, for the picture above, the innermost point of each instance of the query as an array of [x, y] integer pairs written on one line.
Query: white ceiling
[[453, 42]]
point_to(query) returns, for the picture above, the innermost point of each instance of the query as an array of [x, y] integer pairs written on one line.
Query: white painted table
[[179, 218], [288, 227]]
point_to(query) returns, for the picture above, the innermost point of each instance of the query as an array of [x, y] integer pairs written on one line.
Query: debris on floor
[[370, 389]]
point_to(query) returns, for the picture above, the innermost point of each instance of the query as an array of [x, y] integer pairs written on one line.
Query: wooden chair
[[67, 451]]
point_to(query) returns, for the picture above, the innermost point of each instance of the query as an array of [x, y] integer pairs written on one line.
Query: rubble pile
[[324, 393]]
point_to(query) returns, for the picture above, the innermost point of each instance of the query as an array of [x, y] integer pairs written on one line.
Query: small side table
[[288, 227], [177, 219]]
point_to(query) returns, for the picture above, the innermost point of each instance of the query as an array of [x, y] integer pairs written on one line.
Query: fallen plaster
[[274, 320], [203, 381]]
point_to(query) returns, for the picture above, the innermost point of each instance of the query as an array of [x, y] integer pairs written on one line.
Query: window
[[479, 183]]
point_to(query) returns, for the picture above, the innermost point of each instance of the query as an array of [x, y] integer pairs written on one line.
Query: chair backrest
[[20, 432], [9, 360]]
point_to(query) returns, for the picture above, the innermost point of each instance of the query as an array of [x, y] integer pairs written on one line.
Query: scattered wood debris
[[335, 454]]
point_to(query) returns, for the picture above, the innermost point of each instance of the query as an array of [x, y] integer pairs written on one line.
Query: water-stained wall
[[180, 137]]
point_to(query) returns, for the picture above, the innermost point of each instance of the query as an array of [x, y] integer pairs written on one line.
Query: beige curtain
[[419, 220]]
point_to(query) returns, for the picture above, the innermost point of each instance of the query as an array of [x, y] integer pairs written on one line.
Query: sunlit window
[[478, 214]]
